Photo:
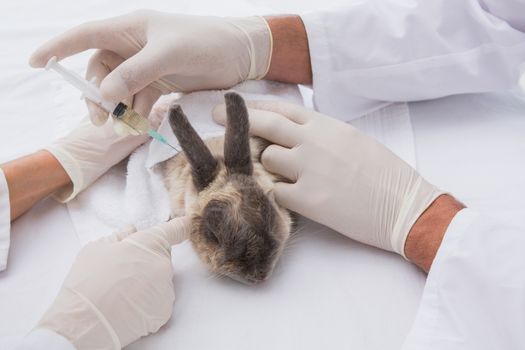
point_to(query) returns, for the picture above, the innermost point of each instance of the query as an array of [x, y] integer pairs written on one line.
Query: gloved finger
[[281, 161], [90, 35], [295, 113], [287, 195], [159, 239], [143, 102], [97, 115], [120, 234], [101, 63], [176, 230], [152, 240], [268, 125], [134, 74], [159, 111]]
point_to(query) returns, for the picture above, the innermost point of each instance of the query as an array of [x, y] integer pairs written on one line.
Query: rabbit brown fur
[[238, 229]]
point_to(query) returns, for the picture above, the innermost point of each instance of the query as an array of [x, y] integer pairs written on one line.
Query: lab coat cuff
[[326, 78], [459, 224], [320, 50], [44, 339], [426, 323], [5, 221]]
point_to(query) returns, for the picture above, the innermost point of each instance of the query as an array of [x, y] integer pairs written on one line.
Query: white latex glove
[[88, 152], [100, 65], [339, 177], [167, 52], [119, 288]]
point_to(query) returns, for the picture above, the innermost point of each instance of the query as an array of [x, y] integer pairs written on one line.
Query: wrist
[[290, 60], [258, 44], [76, 320], [426, 235], [32, 178]]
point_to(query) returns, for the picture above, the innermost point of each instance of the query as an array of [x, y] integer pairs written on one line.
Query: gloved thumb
[[159, 239], [120, 234], [131, 76]]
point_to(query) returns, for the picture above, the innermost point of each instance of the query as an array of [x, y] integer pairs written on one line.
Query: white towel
[[132, 193]]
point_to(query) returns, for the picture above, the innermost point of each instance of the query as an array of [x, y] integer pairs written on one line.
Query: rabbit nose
[[260, 275]]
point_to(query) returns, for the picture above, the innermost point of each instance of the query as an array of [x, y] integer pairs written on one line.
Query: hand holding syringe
[[119, 110]]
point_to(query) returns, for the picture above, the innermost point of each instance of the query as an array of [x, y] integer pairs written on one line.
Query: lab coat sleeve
[[379, 51], [5, 221], [44, 339], [474, 297]]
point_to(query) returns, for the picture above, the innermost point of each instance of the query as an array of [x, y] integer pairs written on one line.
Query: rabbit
[[238, 229]]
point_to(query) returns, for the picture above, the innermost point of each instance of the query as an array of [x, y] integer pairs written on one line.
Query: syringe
[[119, 110]]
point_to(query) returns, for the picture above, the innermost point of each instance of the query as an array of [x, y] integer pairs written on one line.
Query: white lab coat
[[376, 52], [474, 296], [5, 221]]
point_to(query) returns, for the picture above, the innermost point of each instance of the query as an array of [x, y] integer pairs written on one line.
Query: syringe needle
[[161, 139], [155, 135]]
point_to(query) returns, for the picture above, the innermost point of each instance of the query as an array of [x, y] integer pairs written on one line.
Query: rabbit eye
[[211, 235], [210, 231]]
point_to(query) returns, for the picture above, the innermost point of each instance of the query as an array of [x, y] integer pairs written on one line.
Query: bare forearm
[[290, 61], [32, 178], [424, 239]]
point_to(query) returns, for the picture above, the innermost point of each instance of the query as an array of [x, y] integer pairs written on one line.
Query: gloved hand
[[88, 151], [338, 176], [118, 289], [168, 52]]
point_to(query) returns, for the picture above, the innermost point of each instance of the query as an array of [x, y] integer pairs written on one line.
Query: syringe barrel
[[132, 118], [89, 90]]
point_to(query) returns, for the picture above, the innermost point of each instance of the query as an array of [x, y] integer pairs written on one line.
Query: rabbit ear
[[237, 155], [203, 165]]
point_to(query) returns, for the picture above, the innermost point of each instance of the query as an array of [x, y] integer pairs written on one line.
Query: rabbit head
[[237, 227]]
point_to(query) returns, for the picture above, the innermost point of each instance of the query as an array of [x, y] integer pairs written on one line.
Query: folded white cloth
[[133, 193]]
